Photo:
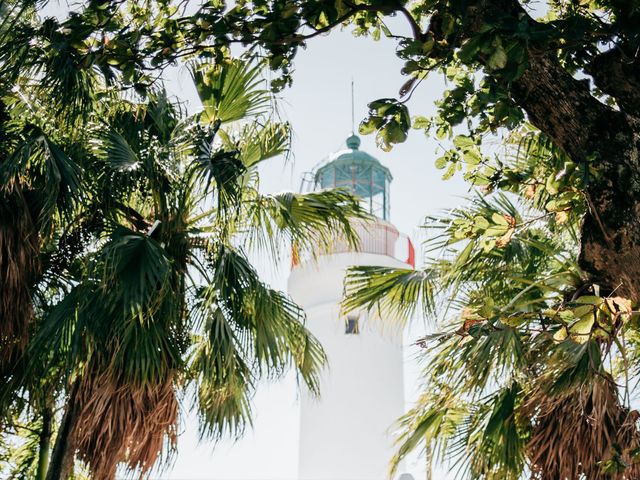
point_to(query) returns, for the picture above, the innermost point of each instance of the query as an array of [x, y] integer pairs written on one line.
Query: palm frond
[[21, 460], [394, 293], [261, 142], [308, 220], [117, 152], [135, 269], [499, 452], [272, 319], [248, 331], [53, 176], [432, 422], [230, 91], [224, 379], [219, 168]]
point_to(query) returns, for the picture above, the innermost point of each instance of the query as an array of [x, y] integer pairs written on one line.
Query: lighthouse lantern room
[[361, 174]]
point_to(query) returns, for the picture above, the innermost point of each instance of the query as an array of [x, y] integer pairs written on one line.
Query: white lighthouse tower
[[344, 435]]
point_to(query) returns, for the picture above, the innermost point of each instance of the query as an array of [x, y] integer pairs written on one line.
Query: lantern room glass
[[360, 174]]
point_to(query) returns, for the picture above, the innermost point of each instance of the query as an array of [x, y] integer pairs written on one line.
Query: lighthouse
[[345, 434]]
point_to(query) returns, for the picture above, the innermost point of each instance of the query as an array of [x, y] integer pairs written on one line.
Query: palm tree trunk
[[61, 464], [44, 443]]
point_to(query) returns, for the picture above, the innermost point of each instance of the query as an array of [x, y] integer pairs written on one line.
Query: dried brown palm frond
[[19, 263], [121, 422], [586, 434]]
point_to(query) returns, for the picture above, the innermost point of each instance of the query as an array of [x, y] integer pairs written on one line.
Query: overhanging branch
[[618, 75]]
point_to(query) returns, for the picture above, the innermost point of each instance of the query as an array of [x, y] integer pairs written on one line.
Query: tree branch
[[618, 75], [415, 28], [564, 107], [557, 103], [355, 8]]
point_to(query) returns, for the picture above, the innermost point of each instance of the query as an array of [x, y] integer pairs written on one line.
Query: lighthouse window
[[351, 326]]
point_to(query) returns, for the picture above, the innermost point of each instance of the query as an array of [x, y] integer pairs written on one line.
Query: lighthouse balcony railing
[[379, 237]]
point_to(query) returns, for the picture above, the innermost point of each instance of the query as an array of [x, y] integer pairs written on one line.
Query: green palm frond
[[73, 85], [483, 437], [162, 116], [52, 53], [21, 455], [54, 176], [496, 437], [117, 152], [308, 220], [475, 356], [395, 293], [16, 30], [219, 168], [13, 11], [24, 460], [230, 91], [63, 172], [224, 380], [248, 330], [62, 329], [134, 269], [433, 422], [261, 142], [147, 349], [276, 323]]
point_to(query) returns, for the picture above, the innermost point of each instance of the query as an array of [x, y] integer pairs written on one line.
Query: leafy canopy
[[540, 274]]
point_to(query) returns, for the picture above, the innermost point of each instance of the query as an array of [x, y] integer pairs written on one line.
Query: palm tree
[[39, 189], [155, 296], [125, 229], [529, 367]]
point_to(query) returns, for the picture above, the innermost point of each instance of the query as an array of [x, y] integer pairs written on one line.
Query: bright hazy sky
[[319, 109]]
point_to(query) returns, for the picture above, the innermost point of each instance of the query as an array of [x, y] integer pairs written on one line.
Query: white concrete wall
[[344, 435]]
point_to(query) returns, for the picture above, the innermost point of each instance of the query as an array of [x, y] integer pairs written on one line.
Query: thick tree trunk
[[61, 464], [610, 242], [592, 132], [43, 444]]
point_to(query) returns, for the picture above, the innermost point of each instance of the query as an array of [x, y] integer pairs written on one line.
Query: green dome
[[360, 173], [353, 142]]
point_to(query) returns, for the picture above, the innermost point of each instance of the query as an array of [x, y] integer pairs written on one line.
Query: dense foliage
[[533, 367], [540, 272], [126, 287], [524, 369]]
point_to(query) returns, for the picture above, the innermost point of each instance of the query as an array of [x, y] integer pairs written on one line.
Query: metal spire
[[353, 115]]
